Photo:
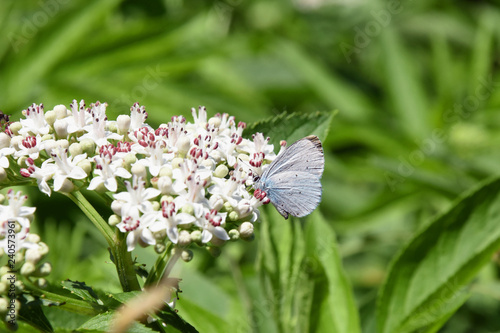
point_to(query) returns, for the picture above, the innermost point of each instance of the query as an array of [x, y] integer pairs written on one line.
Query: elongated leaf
[[426, 280], [292, 127], [333, 307]]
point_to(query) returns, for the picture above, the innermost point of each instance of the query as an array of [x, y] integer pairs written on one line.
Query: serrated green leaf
[[81, 290], [334, 309], [426, 280], [292, 127]]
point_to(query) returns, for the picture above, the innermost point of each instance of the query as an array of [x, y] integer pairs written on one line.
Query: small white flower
[[137, 197], [97, 129], [169, 218], [66, 167], [35, 121], [107, 172], [42, 174]]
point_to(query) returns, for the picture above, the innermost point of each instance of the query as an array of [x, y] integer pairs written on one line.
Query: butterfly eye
[[256, 179]]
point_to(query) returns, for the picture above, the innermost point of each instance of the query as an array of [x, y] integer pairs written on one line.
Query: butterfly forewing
[[304, 155]]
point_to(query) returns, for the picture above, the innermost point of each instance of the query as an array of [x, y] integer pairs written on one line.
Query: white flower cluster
[[21, 252], [183, 182]]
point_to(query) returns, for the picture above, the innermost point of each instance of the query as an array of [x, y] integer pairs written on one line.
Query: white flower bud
[[183, 144], [63, 143], [88, 146], [4, 303], [221, 171], [246, 230], [50, 117], [75, 149], [61, 128], [123, 124], [167, 198], [184, 238], [187, 255], [67, 186], [216, 156], [111, 126], [139, 170], [165, 184], [165, 171], [209, 163], [41, 283], [156, 205], [16, 141], [15, 127], [61, 111], [216, 202], [85, 165], [4, 270], [4, 140], [215, 121], [116, 207], [160, 248], [176, 162], [27, 269], [129, 160], [43, 248], [114, 219], [234, 234], [33, 255], [233, 216], [46, 137], [33, 238], [44, 269], [196, 236]]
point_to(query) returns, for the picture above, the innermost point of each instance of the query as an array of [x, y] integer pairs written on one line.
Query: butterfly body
[[292, 180]]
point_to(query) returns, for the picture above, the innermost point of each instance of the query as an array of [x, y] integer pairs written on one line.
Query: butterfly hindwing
[[294, 192]]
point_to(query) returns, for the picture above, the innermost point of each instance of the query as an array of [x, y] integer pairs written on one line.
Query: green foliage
[[417, 126]]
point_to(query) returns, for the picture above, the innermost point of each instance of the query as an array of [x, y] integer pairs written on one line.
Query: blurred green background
[[416, 84]]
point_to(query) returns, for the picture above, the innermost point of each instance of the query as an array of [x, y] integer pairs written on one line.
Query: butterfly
[[292, 180]]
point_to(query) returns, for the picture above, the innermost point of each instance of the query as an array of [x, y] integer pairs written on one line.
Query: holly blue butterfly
[[292, 180]]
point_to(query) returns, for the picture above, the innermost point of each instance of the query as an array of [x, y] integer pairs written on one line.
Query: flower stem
[[116, 241]]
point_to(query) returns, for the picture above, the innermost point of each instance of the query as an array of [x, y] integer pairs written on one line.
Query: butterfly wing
[[304, 155], [295, 193]]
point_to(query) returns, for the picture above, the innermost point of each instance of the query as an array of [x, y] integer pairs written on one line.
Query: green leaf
[[292, 127], [426, 280], [102, 322], [333, 306], [302, 276], [81, 290], [31, 312]]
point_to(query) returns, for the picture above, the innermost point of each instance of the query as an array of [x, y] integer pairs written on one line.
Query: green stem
[[67, 303], [156, 271], [116, 241]]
